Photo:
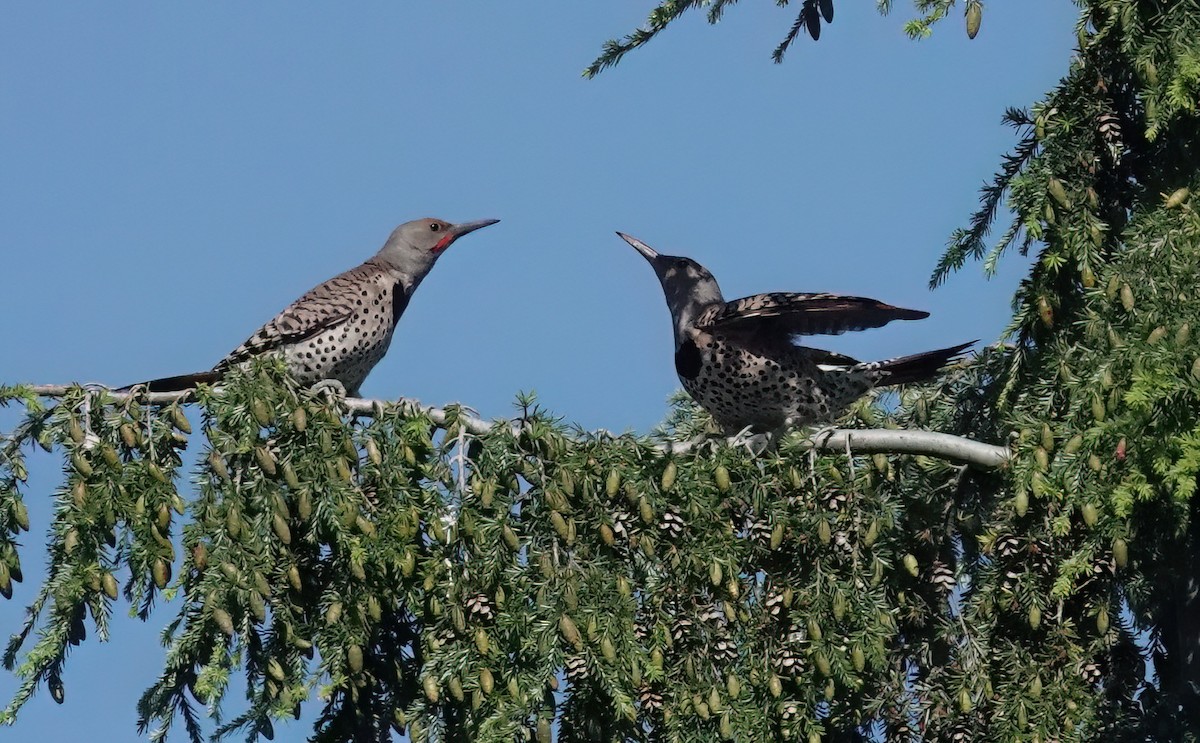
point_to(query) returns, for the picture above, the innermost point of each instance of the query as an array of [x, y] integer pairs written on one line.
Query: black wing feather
[[793, 313]]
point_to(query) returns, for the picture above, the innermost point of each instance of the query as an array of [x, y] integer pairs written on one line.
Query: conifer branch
[[970, 243], [793, 32], [928, 443], [835, 440], [662, 15]]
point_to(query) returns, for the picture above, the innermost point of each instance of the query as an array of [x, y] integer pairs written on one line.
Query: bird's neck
[[406, 278], [687, 301], [684, 315]]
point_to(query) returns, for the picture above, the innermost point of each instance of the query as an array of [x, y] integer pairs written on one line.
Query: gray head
[[688, 287], [415, 246]]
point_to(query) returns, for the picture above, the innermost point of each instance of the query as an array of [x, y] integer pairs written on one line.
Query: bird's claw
[[90, 439], [699, 440], [331, 388], [816, 434], [754, 443]]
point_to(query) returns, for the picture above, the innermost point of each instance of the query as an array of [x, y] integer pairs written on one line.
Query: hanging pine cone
[[760, 531], [672, 524], [942, 577], [641, 631], [774, 604], [650, 700], [576, 669], [1007, 546], [788, 661], [789, 711], [1109, 127], [480, 608], [723, 651], [713, 615], [835, 500], [622, 523], [961, 734], [1010, 579], [682, 629], [1091, 673], [1039, 556]]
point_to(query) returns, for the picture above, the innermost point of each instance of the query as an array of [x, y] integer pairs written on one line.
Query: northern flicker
[[340, 329], [739, 362]]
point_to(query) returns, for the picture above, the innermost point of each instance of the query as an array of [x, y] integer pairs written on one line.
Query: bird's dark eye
[[435, 226], [681, 263]]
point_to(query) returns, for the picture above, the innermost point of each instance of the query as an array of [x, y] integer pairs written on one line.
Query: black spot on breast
[[687, 360], [399, 302]]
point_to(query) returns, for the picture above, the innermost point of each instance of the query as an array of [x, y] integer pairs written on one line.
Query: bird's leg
[[90, 439], [764, 442], [754, 443], [850, 461], [711, 435], [332, 388], [704, 438], [707, 437], [740, 438], [816, 434]]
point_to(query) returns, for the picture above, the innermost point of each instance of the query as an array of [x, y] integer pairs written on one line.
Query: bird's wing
[[790, 313], [324, 306], [823, 358]]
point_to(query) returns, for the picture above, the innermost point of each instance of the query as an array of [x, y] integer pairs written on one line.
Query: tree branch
[[835, 440], [901, 441]]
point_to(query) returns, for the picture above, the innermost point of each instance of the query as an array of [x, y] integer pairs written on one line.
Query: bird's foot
[[333, 389], [817, 433], [754, 443], [90, 439], [696, 442]]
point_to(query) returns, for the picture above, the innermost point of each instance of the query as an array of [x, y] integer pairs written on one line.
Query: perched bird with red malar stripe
[[339, 330]]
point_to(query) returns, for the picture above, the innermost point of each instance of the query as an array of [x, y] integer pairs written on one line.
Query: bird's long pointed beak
[[647, 252], [461, 229], [458, 230]]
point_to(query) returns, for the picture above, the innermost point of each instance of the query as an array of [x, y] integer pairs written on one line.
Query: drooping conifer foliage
[[1095, 525], [465, 586], [808, 19], [534, 580]]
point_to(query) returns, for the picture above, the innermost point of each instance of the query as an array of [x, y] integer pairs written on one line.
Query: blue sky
[[171, 175]]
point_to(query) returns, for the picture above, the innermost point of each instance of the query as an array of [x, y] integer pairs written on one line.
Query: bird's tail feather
[[177, 383], [917, 367]]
